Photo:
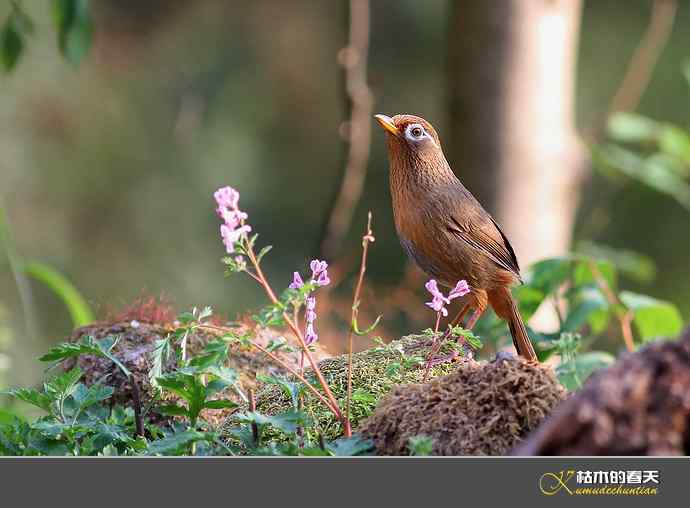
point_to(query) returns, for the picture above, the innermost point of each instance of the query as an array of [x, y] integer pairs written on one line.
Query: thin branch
[[252, 408], [366, 239], [353, 58], [624, 317], [643, 61], [136, 402]]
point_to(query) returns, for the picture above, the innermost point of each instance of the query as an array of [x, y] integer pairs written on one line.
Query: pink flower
[[319, 272], [227, 197], [310, 316], [460, 289], [311, 336], [231, 236], [439, 301], [233, 227], [297, 281]]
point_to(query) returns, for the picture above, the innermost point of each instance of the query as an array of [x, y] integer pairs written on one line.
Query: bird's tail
[[506, 307]]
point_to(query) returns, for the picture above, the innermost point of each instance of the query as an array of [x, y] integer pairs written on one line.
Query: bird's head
[[409, 133], [414, 149]]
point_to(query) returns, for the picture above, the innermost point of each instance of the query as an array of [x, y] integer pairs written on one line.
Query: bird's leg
[[474, 318], [460, 315]]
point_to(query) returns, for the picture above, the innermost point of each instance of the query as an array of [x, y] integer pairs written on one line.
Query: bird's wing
[[485, 235]]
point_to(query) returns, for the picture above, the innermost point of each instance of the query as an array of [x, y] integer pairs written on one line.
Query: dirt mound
[[481, 409], [638, 406]]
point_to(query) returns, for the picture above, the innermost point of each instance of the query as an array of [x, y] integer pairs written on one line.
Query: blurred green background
[[108, 168]]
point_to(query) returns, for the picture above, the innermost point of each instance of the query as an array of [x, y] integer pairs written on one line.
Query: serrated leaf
[[86, 397], [174, 443], [33, 397], [159, 357], [63, 385]]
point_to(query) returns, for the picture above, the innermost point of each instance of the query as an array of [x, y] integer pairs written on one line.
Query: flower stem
[[333, 403], [366, 239]]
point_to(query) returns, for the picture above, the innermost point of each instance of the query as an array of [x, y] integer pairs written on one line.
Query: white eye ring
[[415, 132]]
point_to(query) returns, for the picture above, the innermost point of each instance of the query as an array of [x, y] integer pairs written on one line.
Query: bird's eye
[[417, 132]]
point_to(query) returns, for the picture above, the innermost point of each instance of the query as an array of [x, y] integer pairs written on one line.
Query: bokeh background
[[108, 166]]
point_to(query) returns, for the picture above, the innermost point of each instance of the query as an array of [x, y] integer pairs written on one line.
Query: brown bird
[[445, 230]]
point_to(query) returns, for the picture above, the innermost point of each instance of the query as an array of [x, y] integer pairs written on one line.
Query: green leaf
[[573, 374], [64, 385], [220, 404], [75, 28], [583, 274], [172, 410], [420, 445], [33, 397], [76, 304], [86, 397], [263, 252], [675, 142], [11, 44], [632, 128], [159, 357], [637, 266], [547, 275], [653, 176], [287, 421], [350, 446], [588, 304], [174, 443], [176, 383], [363, 396], [653, 318], [70, 349]]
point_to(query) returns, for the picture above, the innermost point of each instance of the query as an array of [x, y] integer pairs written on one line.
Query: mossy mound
[[481, 409], [372, 378]]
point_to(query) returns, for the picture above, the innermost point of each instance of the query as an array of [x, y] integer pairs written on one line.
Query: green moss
[[375, 372]]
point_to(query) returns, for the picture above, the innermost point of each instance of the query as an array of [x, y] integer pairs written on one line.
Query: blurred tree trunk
[[513, 141]]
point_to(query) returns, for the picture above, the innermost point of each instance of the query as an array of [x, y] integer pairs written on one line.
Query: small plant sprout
[[243, 258]]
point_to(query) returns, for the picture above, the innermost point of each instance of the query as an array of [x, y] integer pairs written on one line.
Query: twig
[[252, 408], [624, 317], [353, 58], [136, 402], [366, 239], [643, 61]]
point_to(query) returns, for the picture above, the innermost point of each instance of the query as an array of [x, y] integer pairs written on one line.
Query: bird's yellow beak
[[387, 123]]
